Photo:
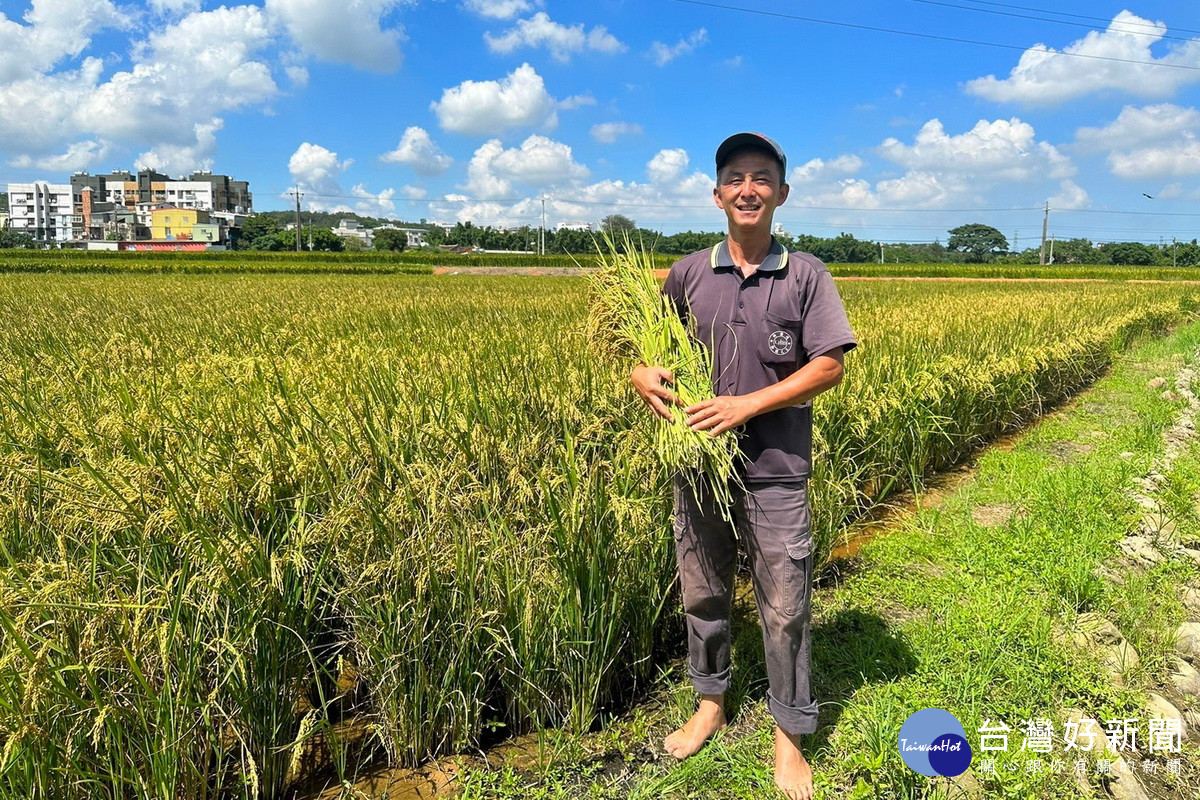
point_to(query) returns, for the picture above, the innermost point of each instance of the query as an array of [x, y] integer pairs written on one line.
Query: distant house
[[171, 223]]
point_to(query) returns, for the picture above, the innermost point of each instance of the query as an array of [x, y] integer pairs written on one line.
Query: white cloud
[[663, 54], [78, 156], [1157, 141], [817, 169], [1004, 150], [180, 159], [561, 40], [55, 29], [315, 169], [539, 162], [1044, 76], [609, 132], [183, 77], [488, 107], [374, 205], [414, 192], [671, 191], [576, 101], [342, 32], [417, 150], [501, 9], [175, 7], [1070, 196], [297, 74]]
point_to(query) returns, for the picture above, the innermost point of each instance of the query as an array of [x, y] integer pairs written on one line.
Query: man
[[777, 330]]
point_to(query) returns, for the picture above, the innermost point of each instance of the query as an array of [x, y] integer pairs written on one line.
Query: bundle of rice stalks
[[629, 317]]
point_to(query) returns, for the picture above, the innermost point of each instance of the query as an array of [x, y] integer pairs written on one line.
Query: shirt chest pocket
[[779, 340]]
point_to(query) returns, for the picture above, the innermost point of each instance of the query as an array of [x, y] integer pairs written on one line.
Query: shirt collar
[[776, 258]]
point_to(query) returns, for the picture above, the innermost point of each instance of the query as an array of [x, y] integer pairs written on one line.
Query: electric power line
[[937, 37], [1149, 27]]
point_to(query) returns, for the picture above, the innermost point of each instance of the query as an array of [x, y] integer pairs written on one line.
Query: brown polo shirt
[[760, 330]]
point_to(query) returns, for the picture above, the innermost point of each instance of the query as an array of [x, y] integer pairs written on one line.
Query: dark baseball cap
[[755, 140]]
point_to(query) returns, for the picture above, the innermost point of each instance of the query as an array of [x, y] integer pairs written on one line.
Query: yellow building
[[170, 223]]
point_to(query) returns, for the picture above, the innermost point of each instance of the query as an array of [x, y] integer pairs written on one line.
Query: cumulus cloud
[[414, 192], [182, 78], [671, 189], [609, 132], [1000, 150], [1044, 76], [538, 162], [576, 101], [78, 156], [174, 7], [1070, 196], [342, 32], [817, 169], [488, 107], [417, 150], [316, 169], [561, 40], [54, 30], [180, 159], [1155, 141], [501, 9], [663, 54]]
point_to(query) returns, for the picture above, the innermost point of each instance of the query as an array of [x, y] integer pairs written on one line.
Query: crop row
[[237, 509]]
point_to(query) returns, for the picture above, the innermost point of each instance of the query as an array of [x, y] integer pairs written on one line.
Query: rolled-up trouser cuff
[[710, 684], [793, 720]]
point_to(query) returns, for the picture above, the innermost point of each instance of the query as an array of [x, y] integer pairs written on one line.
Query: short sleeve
[[673, 289], [825, 325]]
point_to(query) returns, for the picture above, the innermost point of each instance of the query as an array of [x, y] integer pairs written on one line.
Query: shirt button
[[741, 304]]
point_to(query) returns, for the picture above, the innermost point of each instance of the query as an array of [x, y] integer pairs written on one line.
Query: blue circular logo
[[933, 742]]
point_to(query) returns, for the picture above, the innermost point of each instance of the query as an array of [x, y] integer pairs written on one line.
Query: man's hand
[[650, 383], [720, 413]]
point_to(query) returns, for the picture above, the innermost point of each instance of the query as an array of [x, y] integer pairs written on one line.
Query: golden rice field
[[236, 509]]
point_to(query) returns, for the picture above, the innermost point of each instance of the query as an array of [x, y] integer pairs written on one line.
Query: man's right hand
[[650, 383]]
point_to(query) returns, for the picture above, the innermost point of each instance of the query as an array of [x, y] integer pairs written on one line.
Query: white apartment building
[[42, 210], [189, 194]]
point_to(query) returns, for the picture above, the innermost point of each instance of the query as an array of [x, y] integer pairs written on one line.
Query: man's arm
[[729, 411]]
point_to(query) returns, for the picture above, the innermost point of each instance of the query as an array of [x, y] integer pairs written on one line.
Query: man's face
[[749, 189]]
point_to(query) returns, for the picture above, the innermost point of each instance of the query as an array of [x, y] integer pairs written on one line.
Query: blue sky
[[476, 109]]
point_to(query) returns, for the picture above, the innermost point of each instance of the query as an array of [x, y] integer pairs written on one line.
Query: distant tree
[[274, 241], [353, 244], [391, 240], [1187, 254], [435, 235], [11, 238], [617, 224], [254, 228], [979, 241], [322, 239], [1075, 251], [1133, 254]]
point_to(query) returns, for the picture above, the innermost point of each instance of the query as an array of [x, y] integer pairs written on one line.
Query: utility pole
[[1174, 253], [1016, 242], [881, 252], [1045, 227], [542, 235], [296, 194], [1051, 259]]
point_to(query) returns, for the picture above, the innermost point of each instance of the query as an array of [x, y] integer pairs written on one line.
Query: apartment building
[[43, 210]]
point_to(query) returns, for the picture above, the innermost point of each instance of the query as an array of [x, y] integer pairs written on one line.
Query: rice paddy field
[[238, 510]]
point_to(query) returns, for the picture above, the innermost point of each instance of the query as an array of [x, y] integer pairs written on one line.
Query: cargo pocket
[[779, 342], [799, 542]]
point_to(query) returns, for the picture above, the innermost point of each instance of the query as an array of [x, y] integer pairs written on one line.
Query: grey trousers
[[774, 522]]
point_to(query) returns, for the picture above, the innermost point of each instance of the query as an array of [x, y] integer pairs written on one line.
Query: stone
[[1160, 707], [1156, 383], [1127, 455], [1124, 784], [1187, 640], [1140, 549], [1169, 396], [1092, 629], [1191, 601], [1184, 677], [1117, 660]]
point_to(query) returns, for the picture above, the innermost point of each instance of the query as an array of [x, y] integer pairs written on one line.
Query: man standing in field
[[777, 330]]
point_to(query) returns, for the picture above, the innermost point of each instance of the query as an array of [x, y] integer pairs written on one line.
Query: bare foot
[[793, 775], [708, 719]]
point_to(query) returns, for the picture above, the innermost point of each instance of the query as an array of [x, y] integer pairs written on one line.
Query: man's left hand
[[720, 413]]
